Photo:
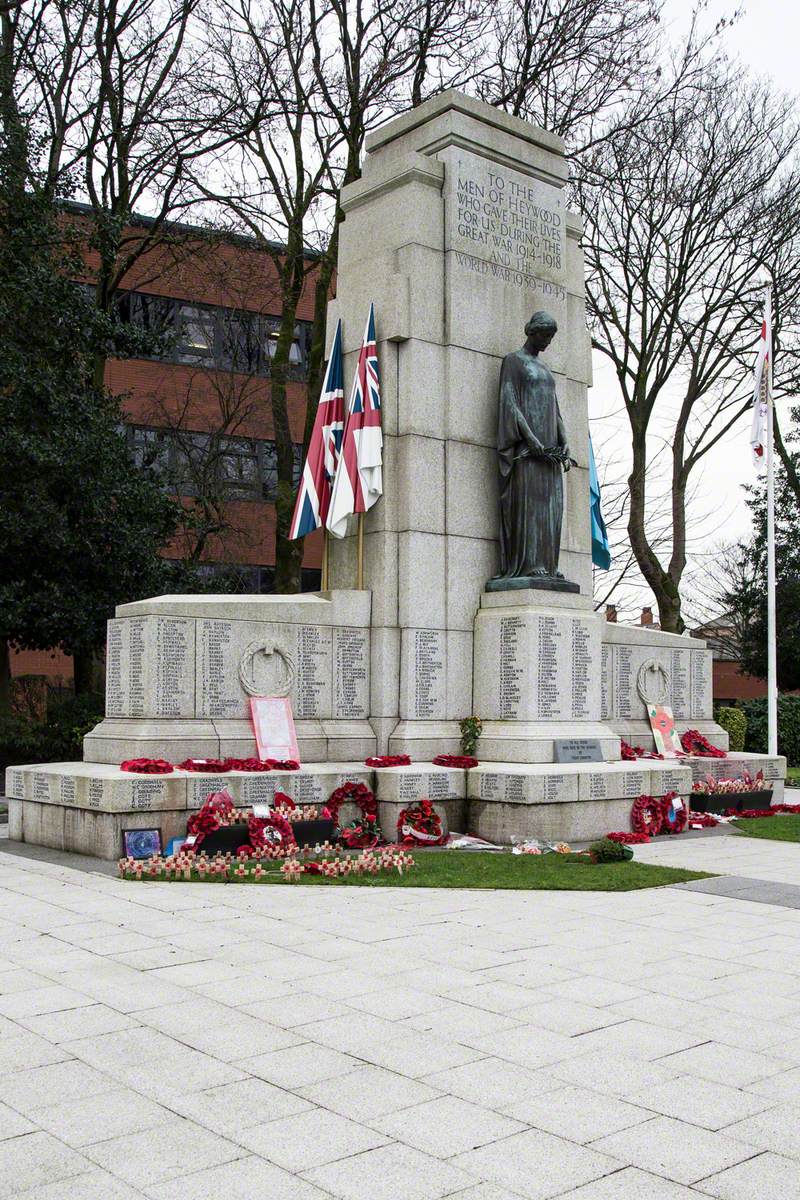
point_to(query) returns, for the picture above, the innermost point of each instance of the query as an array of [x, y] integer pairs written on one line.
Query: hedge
[[788, 727], [735, 722]]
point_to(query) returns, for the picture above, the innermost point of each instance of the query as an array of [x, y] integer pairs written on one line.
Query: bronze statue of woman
[[533, 452]]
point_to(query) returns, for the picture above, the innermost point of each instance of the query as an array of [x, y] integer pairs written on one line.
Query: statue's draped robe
[[531, 489]]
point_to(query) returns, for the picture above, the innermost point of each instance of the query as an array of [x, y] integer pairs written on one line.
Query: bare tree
[[680, 212], [113, 88]]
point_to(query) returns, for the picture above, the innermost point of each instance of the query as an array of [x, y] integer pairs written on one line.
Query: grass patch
[[785, 828], [793, 774], [457, 869]]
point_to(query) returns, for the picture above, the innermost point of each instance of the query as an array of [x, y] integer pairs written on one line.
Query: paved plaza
[[189, 1041]]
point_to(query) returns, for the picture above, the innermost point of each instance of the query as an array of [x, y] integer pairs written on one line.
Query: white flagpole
[[772, 670]]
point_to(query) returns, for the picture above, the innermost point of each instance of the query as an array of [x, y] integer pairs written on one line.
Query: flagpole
[[360, 567], [324, 580], [772, 671]]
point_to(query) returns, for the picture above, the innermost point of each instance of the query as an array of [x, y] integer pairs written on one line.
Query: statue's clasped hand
[[556, 454]]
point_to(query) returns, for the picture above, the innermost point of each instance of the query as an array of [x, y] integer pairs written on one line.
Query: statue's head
[[541, 329]]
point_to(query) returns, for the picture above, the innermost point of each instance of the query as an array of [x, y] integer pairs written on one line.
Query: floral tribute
[[630, 753], [147, 766], [248, 866], [420, 824], [204, 764], [219, 811], [695, 744], [360, 794], [673, 817], [628, 839], [160, 766], [388, 760], [657, 814], [698, 820], [465, 761], [646, 815], [730, 787]]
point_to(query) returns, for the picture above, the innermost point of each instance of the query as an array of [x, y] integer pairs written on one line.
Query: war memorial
[[477, 579]]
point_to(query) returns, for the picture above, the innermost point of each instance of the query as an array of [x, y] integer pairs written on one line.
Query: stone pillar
[[458, 231]]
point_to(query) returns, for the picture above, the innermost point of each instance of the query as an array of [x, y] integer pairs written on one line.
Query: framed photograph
[[141, 843], [273, 725]]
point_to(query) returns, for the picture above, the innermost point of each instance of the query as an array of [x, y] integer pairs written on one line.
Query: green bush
[[788, 727], [57, 738], [735, 722], [606, 851]]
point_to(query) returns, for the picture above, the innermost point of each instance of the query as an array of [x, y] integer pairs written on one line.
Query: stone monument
[[458, 231]]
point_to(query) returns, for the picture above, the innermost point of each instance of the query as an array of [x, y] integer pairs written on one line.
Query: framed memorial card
[[141, 843], [662, 724], [274, 727]]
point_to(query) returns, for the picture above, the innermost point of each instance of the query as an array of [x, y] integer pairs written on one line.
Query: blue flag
[[601, 555]]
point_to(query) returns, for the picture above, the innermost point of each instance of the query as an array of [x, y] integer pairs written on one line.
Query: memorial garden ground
[[169, 1041]]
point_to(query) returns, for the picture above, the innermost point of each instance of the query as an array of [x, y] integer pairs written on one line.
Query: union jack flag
[[319, 470], [359, 483]]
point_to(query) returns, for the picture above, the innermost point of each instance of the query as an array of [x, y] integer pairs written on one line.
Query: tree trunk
[[83, 672], [662, 586], [5, 678], [288, 553]]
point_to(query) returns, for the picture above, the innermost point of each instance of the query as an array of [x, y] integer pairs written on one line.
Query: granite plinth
[[181, 670], [568, 802], [83, 807]]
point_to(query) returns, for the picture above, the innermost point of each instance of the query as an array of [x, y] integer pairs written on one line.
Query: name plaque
[[576, 750]]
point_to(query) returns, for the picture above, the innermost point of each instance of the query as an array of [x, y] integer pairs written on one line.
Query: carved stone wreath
[[659, 693], [247, 664]]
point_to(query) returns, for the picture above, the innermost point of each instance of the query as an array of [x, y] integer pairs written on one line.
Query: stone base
[[570, 802], [532, 742], [545, 583], [425, 739], [84, 807], [118, 738]]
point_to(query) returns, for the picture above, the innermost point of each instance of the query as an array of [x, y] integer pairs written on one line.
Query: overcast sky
[[765, 39]]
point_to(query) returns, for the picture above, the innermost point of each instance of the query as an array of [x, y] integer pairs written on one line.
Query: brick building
[[199, 408]]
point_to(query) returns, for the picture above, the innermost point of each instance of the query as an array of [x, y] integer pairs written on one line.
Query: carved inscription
[[556, 787], [606, 660], [351, 684], [507, 218], [701, 684], [174, 668], [220, 694], [116, 685], [136, 647], [147, 793], [511, 631], [429, 696], [66, 789], [581, 666], [550, 637], [41, 788], [16, 784], [679, 673], [313, 684], [623, 682], [95, 793]]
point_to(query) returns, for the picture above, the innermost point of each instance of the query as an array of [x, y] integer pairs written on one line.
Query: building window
[[196, 334], [224, 339], [191, 462]]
